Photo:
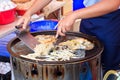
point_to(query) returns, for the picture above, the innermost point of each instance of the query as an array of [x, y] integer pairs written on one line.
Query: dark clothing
[[107, 29]]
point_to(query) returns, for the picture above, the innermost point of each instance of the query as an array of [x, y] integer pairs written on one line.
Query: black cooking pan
[[17, 48]]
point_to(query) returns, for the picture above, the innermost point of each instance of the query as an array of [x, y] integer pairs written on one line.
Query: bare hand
[[24, 20], [65, 24]]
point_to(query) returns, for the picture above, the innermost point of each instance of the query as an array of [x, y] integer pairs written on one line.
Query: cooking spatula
[[25, 36]]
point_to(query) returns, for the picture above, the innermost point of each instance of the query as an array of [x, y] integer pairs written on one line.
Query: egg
[[6, 5]]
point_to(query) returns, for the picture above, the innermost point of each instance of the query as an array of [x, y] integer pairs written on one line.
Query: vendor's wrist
[[74, 15], [28, 13]]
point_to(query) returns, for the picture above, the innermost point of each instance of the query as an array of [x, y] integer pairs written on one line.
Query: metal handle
[[109, 73], [20, 31]]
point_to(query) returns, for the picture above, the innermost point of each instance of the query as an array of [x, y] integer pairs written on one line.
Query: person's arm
[[38, 5], [98, 9]]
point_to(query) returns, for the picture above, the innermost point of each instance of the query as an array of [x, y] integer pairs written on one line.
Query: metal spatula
[[25, 36]]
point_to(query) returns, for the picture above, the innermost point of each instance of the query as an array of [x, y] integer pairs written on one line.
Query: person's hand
[[24, 20], [65, 24]]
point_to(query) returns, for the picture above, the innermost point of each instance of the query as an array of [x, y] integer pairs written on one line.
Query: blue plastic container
[[3, 44], [43, 25]]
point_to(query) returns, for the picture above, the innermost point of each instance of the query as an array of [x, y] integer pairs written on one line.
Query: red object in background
[[21, 12], [7, 16]]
